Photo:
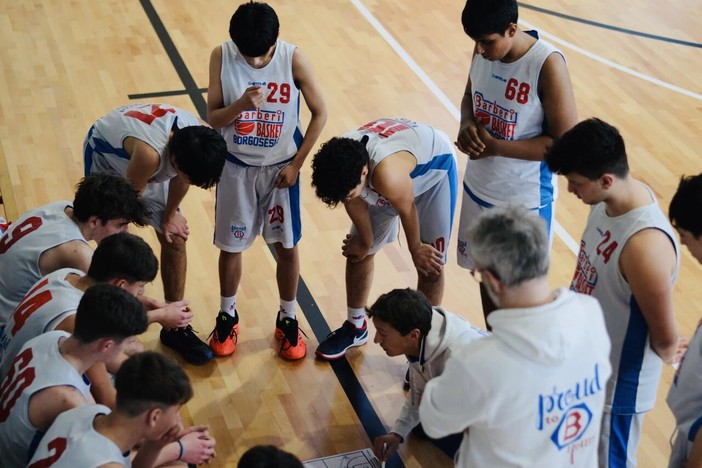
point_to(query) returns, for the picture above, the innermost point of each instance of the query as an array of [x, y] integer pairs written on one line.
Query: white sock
[[228, 305], [287, 309], [356, 316]]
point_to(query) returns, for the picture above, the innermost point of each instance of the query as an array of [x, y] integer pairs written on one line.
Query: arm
[[468, 140], [143, 162], [356, 248], [74, 254], [560, 114], [101, 386], [174, 223], [311, 91], [647, 262], [219, 115], [391, 178], [174, 315], [198, 447], [46, 404]]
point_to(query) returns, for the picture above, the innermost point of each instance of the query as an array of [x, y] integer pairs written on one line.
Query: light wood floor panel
[[65, 64]]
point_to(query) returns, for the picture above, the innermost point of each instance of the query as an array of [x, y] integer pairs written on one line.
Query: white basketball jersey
[[506, 101], [72, 441], [38, 366], [388, 136], [685, 394], [150, 123], [270, 134], [21, 246], [50, 300], [636, 367]]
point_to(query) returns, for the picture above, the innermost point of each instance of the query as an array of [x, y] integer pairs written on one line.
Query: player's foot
[[292, 344], [187, 344], [406, 380], [225, 335], [336, 344]]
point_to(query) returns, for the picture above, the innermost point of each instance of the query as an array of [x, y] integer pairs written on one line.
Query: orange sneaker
[[292, 344], [225, 335]]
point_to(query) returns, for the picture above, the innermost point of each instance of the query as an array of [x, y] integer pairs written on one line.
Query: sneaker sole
[[333, 357], [207, 359], [294, 354]]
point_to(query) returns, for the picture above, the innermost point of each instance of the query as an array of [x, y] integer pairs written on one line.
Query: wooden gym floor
[[64, 64]]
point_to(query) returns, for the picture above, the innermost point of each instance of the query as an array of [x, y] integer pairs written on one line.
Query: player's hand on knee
[[428, 260], [175, 225], [354, 248], [385, 445]]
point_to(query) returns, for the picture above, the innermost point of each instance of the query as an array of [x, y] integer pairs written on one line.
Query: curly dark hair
[[337, 168], [199, 152], [108, 196]]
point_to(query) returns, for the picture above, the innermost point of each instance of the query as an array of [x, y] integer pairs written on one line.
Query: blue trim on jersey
[[694, 429], [475, 198], [546, 212], [297, 137], [98, 145], [631, 360], [296, 219], [453, 181], [620, 429], [88, 153], [545, 184], [441, 162]]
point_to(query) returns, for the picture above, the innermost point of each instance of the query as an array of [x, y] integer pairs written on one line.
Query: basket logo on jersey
[[239, 232], [500, 121], [385, 128], [373, 198], [585, 277], [566, 411], [259, 128]]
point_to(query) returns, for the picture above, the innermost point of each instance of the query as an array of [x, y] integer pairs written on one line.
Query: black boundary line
[[610, 27], [344, 372], [179, 92]]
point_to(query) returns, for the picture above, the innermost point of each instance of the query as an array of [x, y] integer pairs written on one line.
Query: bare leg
[[230, 268], [174, 264], [287, 271], [432, 286], [359, 277]]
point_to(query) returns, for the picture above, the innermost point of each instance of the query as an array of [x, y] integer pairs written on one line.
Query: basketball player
[[47, 376], [254, 98], [151, 388], [629, 260], [685, 395], [407, 324], [162, 150], [387, 171], [532, 393], [517, 99], [56, 235], [123, 260]]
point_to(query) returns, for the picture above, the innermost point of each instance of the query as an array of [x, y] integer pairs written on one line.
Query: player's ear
[[606, 181], [152, 416]]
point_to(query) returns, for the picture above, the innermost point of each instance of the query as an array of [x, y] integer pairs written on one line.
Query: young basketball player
[[47, 378], [629, 259], [254, 98], [56, 235], [388, 171], [517, 99], [162, 150]]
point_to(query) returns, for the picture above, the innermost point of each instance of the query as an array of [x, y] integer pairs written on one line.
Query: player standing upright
[[517, 99], [254, 98]]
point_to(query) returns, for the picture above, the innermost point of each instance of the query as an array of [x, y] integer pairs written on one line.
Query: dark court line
[[610, 27], [342, 369], [179, 92]]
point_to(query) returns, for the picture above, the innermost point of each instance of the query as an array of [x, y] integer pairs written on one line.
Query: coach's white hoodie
[[448, 331], [532, 393]]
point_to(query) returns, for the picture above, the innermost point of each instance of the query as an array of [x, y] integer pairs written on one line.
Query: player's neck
[[531, 293], [79, 355], [521, 44], [85, 231], [119, 429], [628, 194]]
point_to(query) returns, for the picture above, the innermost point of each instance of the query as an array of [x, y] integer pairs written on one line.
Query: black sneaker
[[187, 344], [338, 341], [406, 382]]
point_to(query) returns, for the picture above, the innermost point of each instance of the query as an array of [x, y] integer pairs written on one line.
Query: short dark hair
[[591, 149], [404, 309], [199, 152], [254, 28], [337, 168], [107, 311], [125, 256], [685, 211], [268, 456], [150, 379], [485, 17], [108, 196]]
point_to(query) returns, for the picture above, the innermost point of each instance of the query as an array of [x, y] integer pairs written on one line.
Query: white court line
[[650, 79], [453, 110]]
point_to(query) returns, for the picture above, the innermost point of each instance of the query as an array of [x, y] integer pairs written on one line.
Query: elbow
[[666, 347]]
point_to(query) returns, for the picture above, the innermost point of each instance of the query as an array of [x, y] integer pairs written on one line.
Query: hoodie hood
[[446, 328]]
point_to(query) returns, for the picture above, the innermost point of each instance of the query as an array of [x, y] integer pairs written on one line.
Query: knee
[[175, 246]]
